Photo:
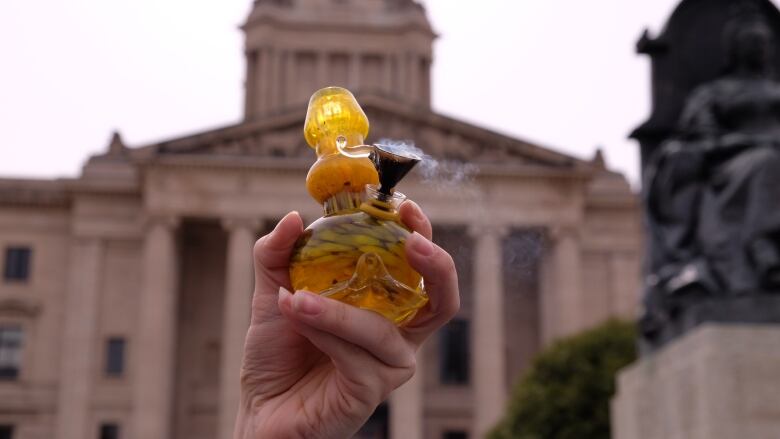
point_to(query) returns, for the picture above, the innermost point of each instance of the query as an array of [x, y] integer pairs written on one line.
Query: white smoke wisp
[[441, 174]]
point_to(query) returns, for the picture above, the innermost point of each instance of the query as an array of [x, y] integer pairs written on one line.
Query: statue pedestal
[[720, 381]]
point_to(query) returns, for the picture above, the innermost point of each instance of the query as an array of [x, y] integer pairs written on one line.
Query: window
[[10, 352], [109, 431], [455, 356], [377, 426], [455, 435], [17, 263], [115, 357], [6, 431]]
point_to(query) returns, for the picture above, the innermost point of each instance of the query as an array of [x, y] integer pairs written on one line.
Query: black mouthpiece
[[392, 167]]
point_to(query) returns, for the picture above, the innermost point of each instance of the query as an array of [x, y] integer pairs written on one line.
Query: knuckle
[[411, 365], [447, 263], [257, 250], [340, 317], [409, 369], [388, 336], [453, 305]]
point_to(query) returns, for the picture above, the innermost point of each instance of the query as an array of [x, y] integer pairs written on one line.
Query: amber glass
[[355, 253], [334, 115], [358, 257]]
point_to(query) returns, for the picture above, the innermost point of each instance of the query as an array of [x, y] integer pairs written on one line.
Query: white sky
[[562, 73]]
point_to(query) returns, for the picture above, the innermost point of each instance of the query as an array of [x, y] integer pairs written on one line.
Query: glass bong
[[355, 253]]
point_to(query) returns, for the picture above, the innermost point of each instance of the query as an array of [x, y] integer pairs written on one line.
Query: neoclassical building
[[125, 291]]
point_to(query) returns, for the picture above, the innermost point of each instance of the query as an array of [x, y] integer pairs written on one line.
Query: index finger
[[415, 219], [441, 282]]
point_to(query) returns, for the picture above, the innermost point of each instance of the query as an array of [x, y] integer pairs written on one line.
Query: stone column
[[562, 303], [293, 92], [286, 90], [413, 64], [354, 71], [424, 78], [388, 79], [488, 347], [77, 372], [262, 84], [406, 406], [322, 69], [272, 81], [155, 351], [250, 84], [403, 74], [235, 318]]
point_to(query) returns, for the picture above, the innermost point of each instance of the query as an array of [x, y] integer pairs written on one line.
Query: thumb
[[272, 254]]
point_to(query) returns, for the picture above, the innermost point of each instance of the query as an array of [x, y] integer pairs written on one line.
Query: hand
[[317, 368]]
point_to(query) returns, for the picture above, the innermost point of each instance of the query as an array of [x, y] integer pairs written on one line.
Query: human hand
[[317, 368]]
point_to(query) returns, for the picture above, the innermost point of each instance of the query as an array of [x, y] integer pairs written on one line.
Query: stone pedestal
[[718, 382]]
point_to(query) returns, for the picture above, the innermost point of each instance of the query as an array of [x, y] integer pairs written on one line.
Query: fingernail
[[294, 212], [284, 297], [307, 303], [420, 245], [417, 211]]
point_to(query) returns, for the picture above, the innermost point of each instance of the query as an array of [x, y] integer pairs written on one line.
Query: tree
[[566, 392]]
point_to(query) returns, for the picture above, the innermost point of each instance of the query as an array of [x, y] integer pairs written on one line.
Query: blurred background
[[562, 73], [145, 146]]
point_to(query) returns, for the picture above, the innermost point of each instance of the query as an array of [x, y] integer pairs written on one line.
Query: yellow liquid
[[325, 261]]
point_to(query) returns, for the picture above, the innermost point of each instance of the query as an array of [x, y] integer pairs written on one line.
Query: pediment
[[441, 137]]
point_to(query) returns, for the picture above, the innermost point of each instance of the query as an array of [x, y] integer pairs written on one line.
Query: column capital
[[230, 224], [168, 221], [478, 230], [562, 231]]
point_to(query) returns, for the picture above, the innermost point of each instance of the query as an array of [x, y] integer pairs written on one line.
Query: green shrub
[[566, 392]]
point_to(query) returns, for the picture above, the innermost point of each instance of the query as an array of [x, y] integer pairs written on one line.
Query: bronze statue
[[712, 192]]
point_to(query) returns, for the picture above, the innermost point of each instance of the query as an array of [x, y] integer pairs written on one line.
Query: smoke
[[522, 249], [441, 174]]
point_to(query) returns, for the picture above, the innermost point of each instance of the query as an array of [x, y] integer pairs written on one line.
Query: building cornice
[[203, 161], [337, 26], [37, 193]]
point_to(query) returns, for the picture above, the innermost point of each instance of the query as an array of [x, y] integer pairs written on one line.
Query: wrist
[[243, 424], [246, 420]]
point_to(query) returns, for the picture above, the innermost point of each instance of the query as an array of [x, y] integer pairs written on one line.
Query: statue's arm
[[699, 118]]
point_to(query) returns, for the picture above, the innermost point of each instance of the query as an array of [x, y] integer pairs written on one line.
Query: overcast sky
[[562, 73]]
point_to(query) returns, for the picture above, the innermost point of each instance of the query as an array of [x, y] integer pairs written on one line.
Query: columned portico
[[488, 359], [238, 297], [79, 338], [153, 387]]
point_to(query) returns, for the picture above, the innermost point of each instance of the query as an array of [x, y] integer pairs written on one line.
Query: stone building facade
[[125, 292]]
